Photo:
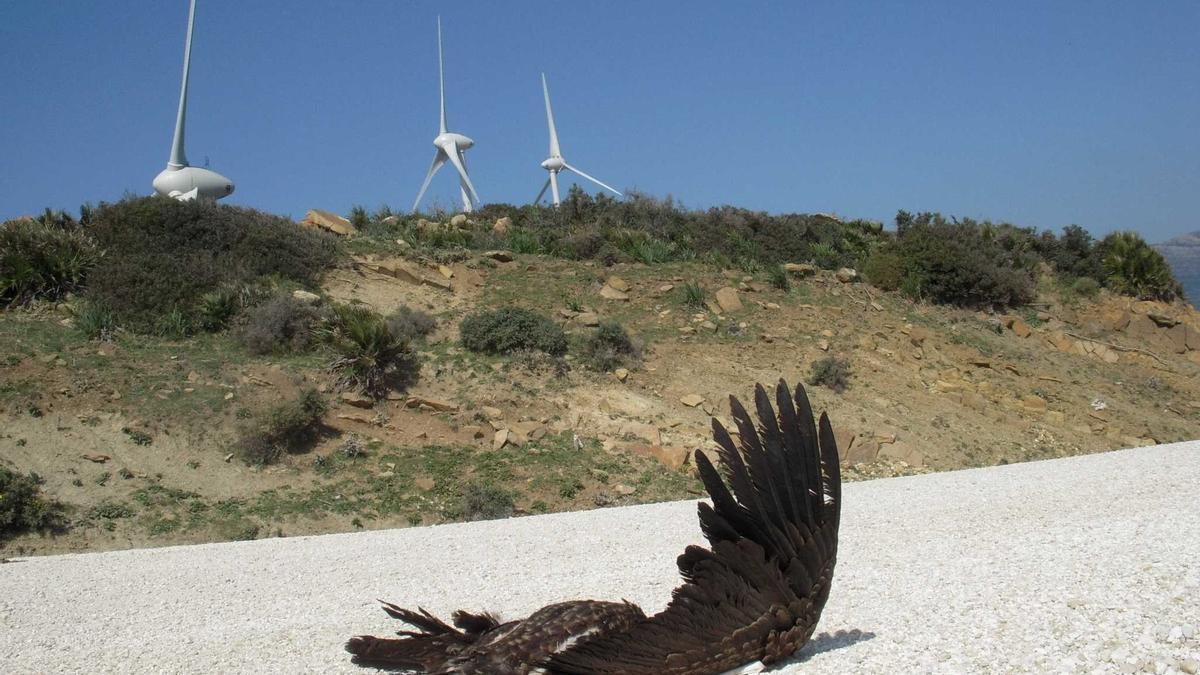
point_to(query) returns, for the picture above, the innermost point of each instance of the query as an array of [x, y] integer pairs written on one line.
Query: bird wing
[[757, 593]]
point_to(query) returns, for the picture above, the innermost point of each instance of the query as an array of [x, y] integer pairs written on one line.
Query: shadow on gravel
[[825, 642]]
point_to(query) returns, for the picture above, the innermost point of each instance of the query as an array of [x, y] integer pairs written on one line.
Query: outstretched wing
[[758, 593]]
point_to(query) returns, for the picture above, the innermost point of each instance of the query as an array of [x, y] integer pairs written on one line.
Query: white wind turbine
[[179, 180], [450, 146], [555, 162]]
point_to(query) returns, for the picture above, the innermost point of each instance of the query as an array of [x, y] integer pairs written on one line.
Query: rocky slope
[[932, 388]]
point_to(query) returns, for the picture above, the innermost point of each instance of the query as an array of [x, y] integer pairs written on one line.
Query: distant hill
[[1183, 253]]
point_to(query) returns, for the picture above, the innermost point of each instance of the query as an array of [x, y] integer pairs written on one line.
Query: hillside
[[1183, 254], [136, 433]]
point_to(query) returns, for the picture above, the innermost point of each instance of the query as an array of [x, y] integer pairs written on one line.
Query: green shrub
[[509, 329], [40, 260], [411, 324], [693, 295], [282, 324], [780, 278], [482, 501], [831, 372], [884, 270], [162, 256], [23, 507], [1085, 287], [288, 427], [609, 347], [359, 218], [961, 263], [370, 357], [1132, 267]]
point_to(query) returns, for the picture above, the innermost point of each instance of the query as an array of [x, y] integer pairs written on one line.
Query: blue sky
[[1040, 113]]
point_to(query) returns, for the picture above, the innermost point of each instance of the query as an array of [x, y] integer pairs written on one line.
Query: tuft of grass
[[779, 278], [94, 321], [693, 295]]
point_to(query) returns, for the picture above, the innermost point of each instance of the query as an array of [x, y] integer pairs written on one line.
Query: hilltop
[[145, 435]]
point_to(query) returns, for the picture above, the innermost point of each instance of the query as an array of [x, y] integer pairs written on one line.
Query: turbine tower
[[451, 147], [179, 179], [555, 162]]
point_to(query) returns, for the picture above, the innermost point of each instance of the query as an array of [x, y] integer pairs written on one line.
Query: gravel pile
[[1088, 564]]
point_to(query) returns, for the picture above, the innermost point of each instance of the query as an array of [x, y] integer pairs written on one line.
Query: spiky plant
[[1132, 267], [370, 357]]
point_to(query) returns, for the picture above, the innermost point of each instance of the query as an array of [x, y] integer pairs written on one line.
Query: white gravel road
[[1089, 564]]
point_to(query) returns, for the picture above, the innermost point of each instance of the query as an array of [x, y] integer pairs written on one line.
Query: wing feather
[[757, 592]]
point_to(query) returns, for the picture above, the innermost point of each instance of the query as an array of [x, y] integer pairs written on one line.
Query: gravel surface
[[1088, 564]]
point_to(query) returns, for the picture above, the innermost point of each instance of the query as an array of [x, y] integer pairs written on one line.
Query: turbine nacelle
[[451, 147], [451, 139], [192, 182], [554, 164], [180, 180]]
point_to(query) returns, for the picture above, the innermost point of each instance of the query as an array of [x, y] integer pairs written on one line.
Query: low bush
[[43, 260], [286, 428], [481, 501], [958, 263], [370, 357], [509, 329], [1132, 267], [1085, 287], [609, 347], [831, 372], [411, 324], [884, 270], [282, 324], [23, 507], [162, 256]]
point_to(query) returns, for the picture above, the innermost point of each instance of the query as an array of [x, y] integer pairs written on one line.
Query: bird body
[[755, 595]]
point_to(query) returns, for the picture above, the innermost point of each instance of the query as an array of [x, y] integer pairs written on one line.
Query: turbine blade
[[438, 160], [545, 187], [178, 158], [554, 149], [607, 187], [441, 77], [456, 158]]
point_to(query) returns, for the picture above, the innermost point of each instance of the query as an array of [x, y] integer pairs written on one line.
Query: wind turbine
[[450, 146], [179, 179], [555, 162]]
